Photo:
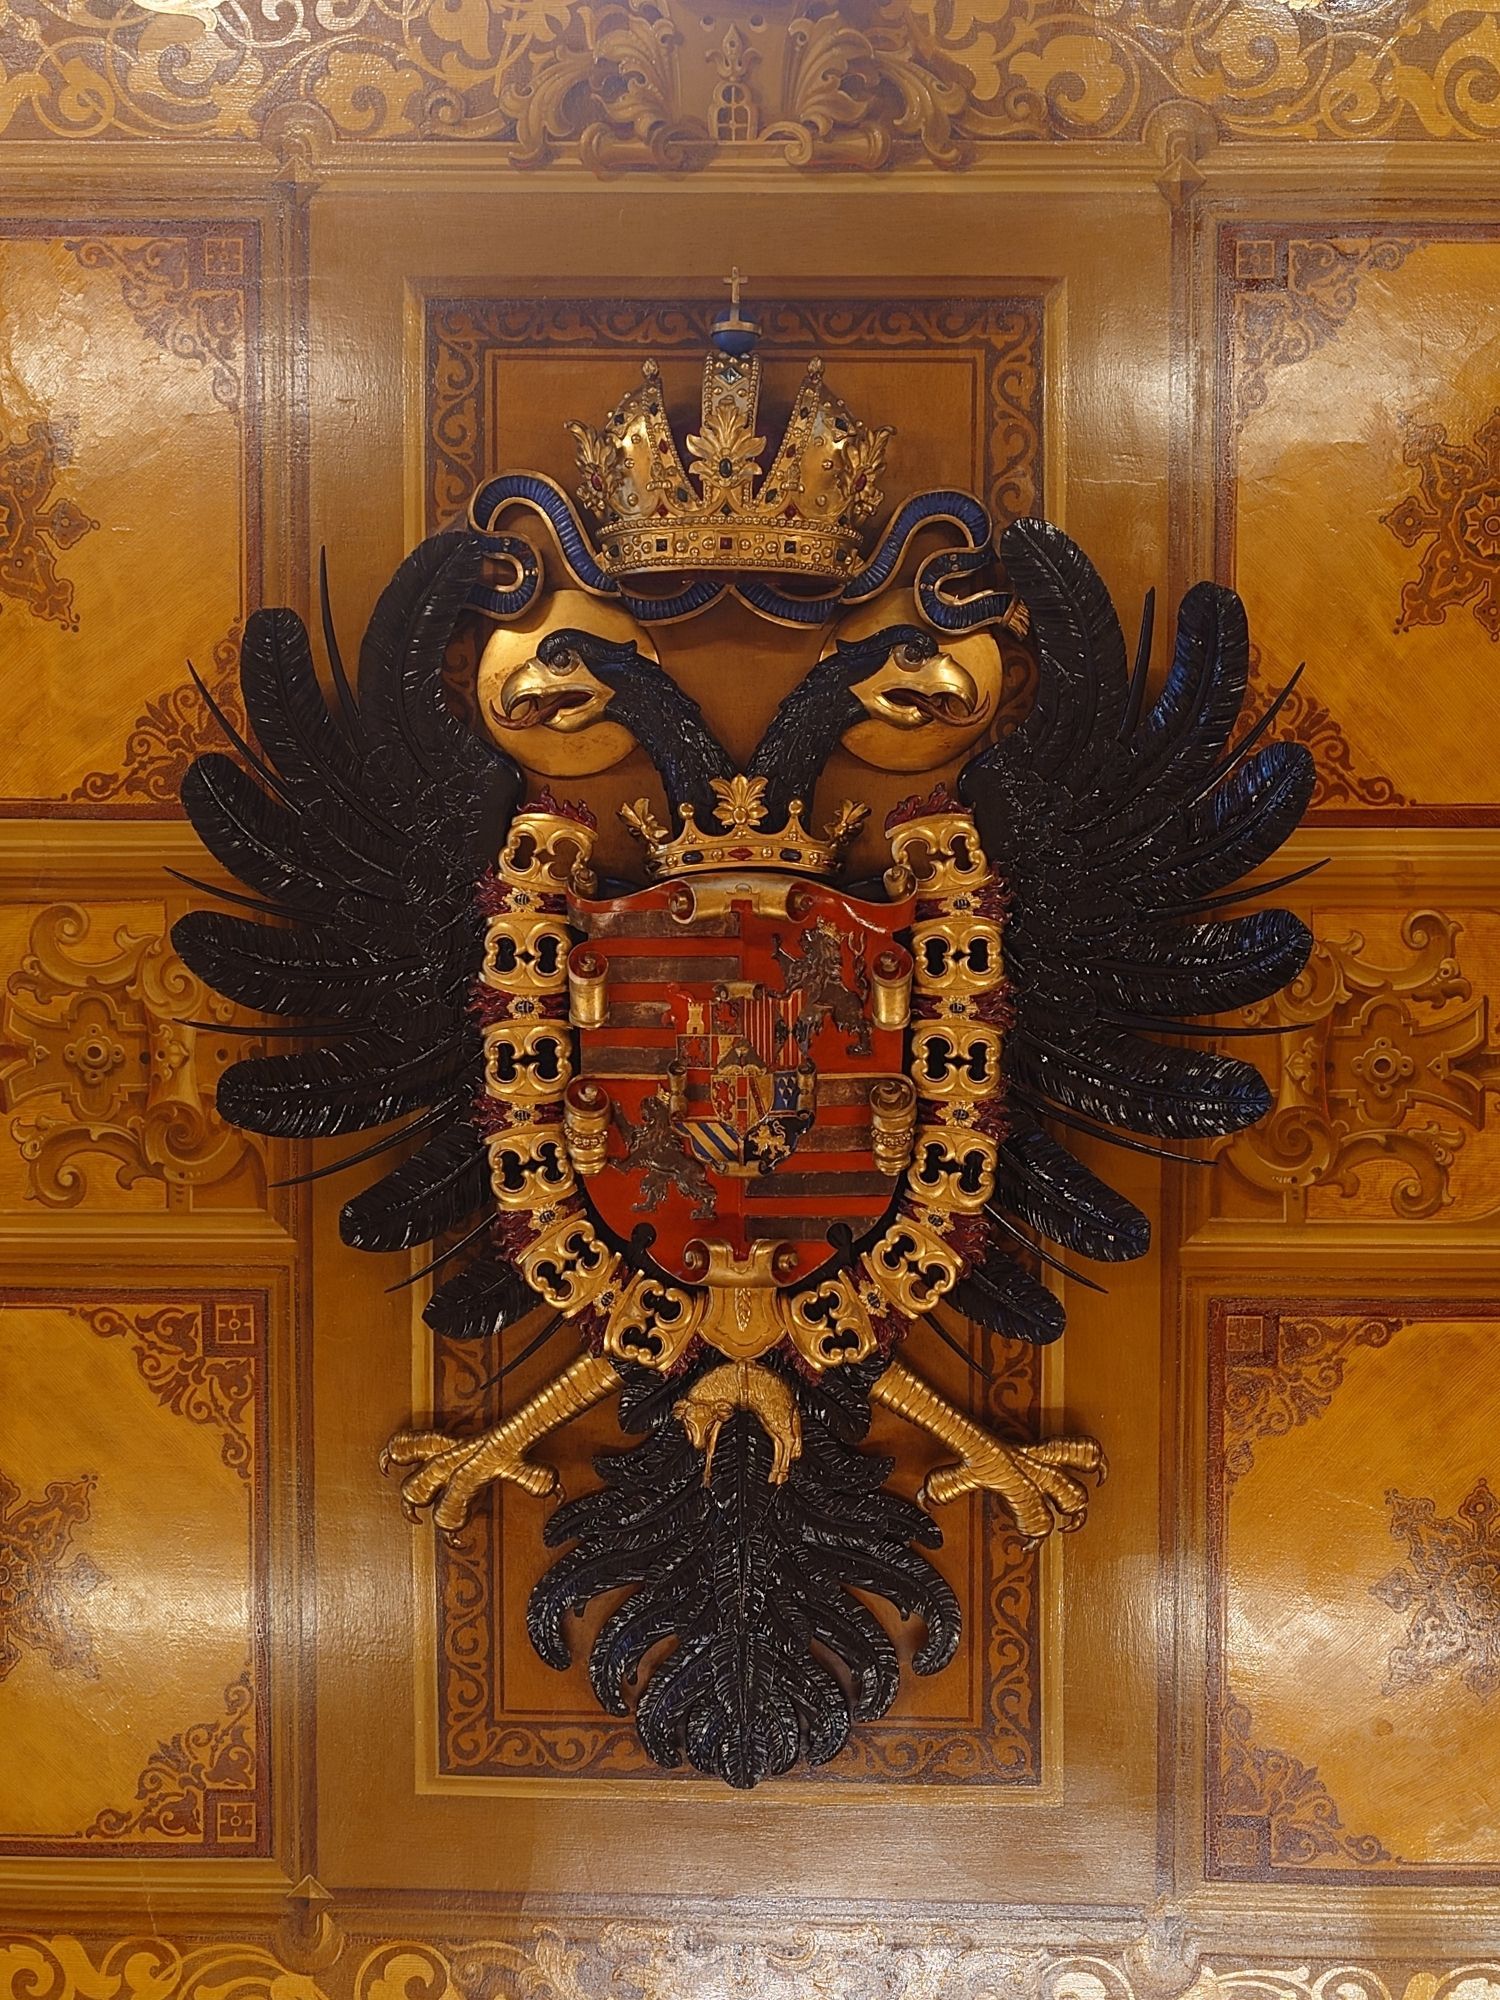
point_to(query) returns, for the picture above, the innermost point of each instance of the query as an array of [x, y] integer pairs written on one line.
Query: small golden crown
[[743, 843], [804, 517]]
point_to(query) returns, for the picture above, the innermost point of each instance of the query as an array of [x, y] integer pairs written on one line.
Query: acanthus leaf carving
[[98, 1057], [1393, 1063]]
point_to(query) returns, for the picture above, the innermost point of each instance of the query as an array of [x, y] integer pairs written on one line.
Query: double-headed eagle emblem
[[737, 1129]]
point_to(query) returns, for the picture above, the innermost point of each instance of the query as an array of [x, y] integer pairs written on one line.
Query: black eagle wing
[[362, 837], [1118, 831]]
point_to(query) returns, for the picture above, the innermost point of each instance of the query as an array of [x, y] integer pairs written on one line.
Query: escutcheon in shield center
[[742, 1058]]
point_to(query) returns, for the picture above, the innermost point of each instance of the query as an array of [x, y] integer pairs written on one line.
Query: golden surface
[[361, 325]]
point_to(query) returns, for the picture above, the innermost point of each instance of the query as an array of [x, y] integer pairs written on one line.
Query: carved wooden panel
[[1354, 1545], [130, 531], [134, 1572], [106, 1081], [1384, 1068], [1357, 417]]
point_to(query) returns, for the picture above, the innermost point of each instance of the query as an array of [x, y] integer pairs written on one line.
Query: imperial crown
[[803, 517], [741, 840]]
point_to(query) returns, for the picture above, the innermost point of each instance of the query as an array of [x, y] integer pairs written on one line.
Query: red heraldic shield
[[735, 1025]]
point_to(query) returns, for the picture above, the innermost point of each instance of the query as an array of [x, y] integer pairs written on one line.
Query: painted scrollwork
[[649, 83], [98, 1058], [663, 1961]]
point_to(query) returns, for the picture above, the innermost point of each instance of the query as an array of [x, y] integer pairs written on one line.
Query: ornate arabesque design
[[97, 1057], [643, 82], [1456, 512], [186, 293], [462, 333], [37, 523], [168, 734], [199, 1785], [477, 1739], [1392, 1064], [1275, 1369], [1282, 1370], [662, 1961], [200, 1361], [39, 1587], [1274, 1813], [1448, 1585], [1291, 294]]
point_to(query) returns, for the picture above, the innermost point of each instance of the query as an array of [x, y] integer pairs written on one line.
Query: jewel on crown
[[802, 517]]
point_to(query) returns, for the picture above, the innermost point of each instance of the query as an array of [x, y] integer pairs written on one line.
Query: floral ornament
[[36, 526], [1456, 510], [1450, 1584], [37, 1588]]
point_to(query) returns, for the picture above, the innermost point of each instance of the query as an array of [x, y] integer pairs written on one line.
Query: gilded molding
[[657, 84]]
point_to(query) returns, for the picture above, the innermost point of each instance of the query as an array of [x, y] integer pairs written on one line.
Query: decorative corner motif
[[1449, 1584], [168, 734], [199, 1786], [186, 294], [1456, 512], [1291, 295], [1273, 1814], [39, 1588], [200, 1361], [1282, 1370], [97, 1057], [1391, 1064], [1336, 781], [37, 524]]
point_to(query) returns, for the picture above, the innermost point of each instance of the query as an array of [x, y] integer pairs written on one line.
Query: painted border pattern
[[206, 1790], [1274, 1365], [193, 287], [464, 335]]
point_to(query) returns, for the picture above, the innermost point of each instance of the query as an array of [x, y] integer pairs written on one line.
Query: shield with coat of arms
[[737, 1039]]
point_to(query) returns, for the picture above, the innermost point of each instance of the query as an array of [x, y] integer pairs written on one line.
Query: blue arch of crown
[[949, 506]]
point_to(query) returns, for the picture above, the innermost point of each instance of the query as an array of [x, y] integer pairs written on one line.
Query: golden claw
[[1034, 1480], [450, 1471]]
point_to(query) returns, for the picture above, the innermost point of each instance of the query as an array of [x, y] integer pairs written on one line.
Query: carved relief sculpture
[[738, 1131]]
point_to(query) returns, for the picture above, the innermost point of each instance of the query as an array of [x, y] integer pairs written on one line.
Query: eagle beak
[[907, 693], [562, 695]]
